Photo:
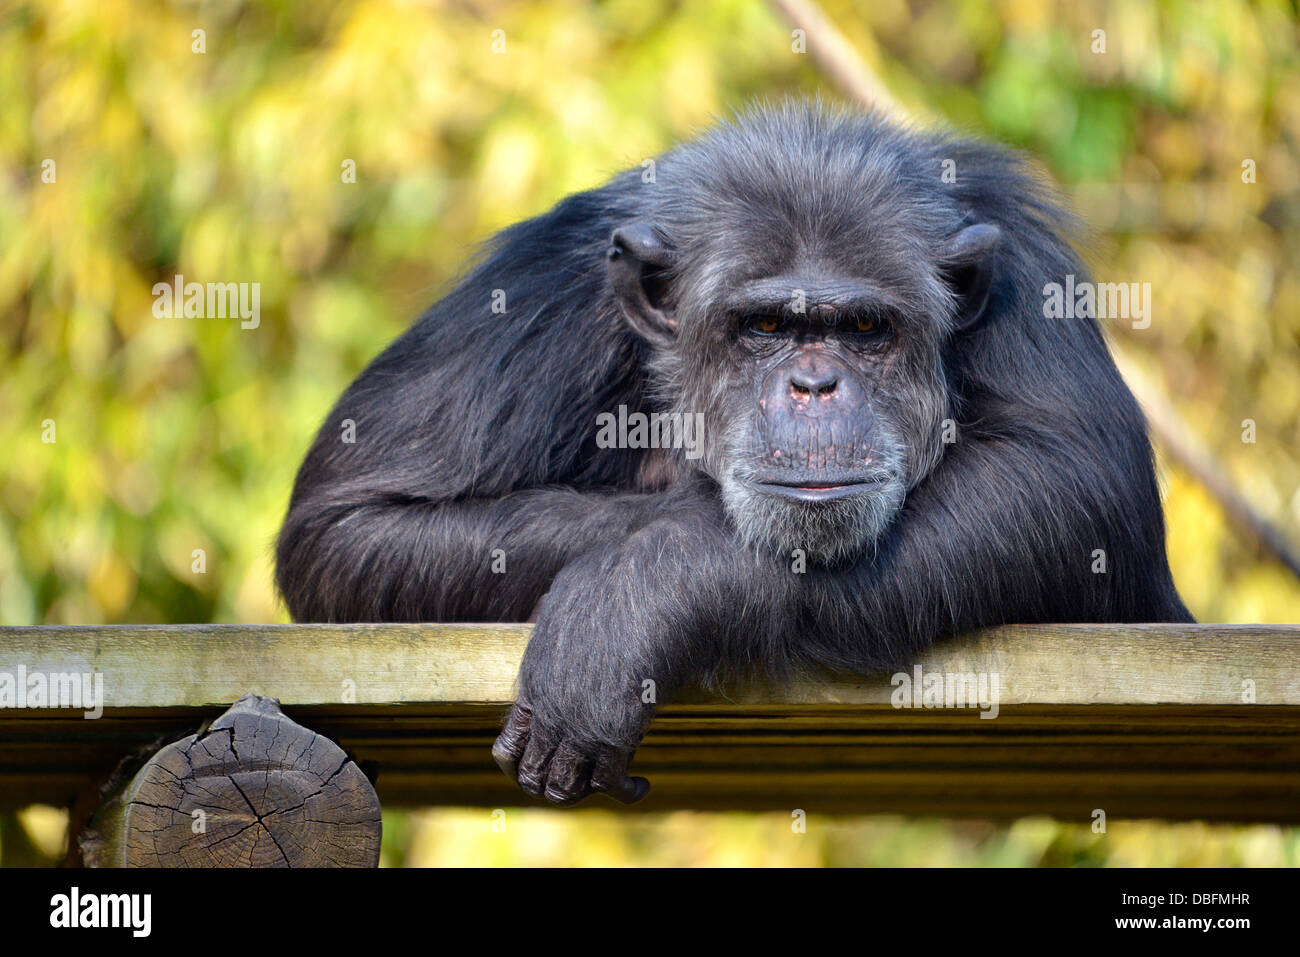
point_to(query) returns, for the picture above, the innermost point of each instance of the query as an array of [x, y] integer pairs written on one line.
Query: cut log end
[[253, 790]]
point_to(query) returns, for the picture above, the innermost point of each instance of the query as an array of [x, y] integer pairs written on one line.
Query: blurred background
[[224, 156]]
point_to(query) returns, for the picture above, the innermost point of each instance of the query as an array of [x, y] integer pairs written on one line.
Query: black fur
[[476, 431]]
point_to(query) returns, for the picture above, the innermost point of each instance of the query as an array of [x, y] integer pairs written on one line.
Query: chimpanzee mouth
[[823, 491]]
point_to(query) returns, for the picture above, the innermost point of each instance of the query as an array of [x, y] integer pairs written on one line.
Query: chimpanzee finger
[[510, 743], [610, 777], [568, 780], [536, 761]]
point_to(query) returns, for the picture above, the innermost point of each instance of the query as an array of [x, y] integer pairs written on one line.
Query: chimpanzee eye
[[868, 329], [764, 325]]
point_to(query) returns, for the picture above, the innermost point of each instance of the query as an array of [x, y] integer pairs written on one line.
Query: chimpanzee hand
[[588, 684], [559, 769]]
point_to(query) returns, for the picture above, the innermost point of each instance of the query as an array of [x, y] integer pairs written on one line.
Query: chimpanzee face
[[819, 376], [814, 456]]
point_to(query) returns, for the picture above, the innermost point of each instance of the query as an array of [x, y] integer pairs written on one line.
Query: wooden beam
[[195, 666], [1145, 720]]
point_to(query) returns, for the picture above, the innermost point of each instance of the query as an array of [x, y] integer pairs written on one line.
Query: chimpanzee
[[869, 434]]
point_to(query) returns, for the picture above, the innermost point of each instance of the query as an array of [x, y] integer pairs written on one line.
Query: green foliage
[[176, 435]]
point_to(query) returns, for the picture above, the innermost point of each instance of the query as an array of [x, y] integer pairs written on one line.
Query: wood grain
[[254, 789], [1138, 720], [168, 666]]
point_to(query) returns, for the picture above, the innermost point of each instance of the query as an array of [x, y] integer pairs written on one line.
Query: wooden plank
[[161, 666], [1137, 720], [1177, 761]]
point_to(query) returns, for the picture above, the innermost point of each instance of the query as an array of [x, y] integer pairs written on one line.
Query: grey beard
[[829, 533]]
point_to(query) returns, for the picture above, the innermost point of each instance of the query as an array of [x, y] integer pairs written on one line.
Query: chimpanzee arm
[[1003, 531], [466, 560], [624, 627], [475, 431], [1014, 530]]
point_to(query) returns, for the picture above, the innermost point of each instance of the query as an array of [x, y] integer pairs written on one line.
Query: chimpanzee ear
[[638, 263], [967, 264]]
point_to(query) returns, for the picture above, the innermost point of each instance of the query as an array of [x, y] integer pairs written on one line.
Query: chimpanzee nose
[[812, 381]]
